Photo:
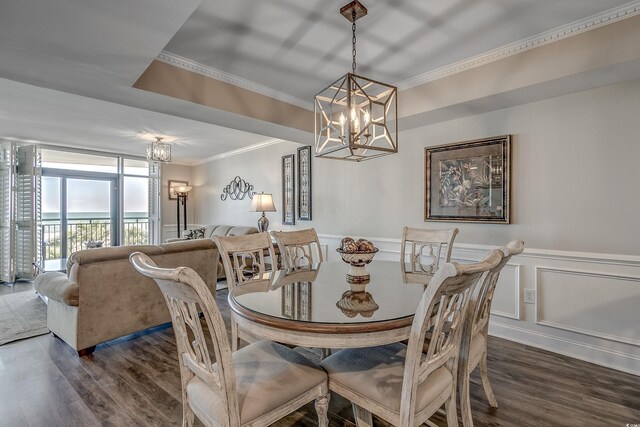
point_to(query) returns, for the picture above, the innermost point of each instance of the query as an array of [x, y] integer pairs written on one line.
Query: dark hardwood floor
[[134, 381]]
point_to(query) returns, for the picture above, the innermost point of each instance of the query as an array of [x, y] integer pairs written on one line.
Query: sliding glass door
[[77, 211]]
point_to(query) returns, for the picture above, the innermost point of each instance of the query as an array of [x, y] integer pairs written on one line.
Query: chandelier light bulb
[[366, 118]]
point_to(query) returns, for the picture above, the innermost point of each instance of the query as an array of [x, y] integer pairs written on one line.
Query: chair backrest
[[243, 257], [186, 295], [442, 310], [298, 248], [426, 248], [482, 303]]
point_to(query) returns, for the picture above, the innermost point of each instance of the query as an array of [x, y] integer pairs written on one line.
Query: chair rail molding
[[582, 300]]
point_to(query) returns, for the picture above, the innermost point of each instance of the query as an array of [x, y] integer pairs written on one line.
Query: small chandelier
[[356, 118], [158, 151]]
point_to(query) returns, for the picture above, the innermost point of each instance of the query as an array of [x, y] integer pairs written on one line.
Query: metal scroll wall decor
[[237, 189]]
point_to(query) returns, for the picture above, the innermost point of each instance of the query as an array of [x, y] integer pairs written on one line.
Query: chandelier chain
[[353, 41]]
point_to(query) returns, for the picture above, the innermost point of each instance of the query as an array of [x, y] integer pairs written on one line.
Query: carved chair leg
[[484, 374], [322, 409], [465, 403], [188, 417], [452, 413], [362, 416], [86, 351]]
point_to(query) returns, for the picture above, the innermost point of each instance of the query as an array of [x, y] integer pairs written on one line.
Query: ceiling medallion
[[158, 151], [356, 118]]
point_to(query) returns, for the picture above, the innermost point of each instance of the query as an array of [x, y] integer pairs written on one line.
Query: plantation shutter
[[28, 212], [7, 211], [154, 203]]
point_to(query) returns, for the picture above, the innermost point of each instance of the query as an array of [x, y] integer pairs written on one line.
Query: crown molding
[[607, 17], [595, 21], [242, 150], [214, 73]]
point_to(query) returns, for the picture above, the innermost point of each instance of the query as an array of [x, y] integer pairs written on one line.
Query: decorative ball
[[365, 246], [350, 247], [344, 242]]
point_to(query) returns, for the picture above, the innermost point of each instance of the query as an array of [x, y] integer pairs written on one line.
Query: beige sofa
[[102, 297], [219, 230]]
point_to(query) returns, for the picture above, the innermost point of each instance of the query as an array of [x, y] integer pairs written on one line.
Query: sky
[[85, 195]]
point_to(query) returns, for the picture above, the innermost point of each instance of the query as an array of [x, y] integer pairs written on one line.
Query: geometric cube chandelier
[[158, 151], [356, 118]]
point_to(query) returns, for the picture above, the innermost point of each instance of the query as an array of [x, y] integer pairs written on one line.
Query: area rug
[[22, 315]]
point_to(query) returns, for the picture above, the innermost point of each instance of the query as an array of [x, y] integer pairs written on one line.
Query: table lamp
[[263, 202]]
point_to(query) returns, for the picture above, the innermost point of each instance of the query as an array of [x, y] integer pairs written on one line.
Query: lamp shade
[[263, 202], [181, 189]]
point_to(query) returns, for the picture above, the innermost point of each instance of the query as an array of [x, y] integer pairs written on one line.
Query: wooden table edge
[[321, 328]]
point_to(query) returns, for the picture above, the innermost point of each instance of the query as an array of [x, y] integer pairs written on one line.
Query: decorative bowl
[[354, 303], [92, 244], [357, 276]]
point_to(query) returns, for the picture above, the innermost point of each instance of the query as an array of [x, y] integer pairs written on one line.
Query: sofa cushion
[[187, 245], [208, 230], [241, 231], [221, 230], [56, 285], [111, 253]]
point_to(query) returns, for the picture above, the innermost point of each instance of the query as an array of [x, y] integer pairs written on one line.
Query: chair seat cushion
[[377, 373], [267, 376]]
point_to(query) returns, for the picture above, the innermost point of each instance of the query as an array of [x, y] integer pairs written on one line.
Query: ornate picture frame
[[469, 181], [304, 183], [288, 190], [175, 183]]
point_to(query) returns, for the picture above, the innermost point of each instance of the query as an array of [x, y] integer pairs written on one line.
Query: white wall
[[575, 190], [175, 172]]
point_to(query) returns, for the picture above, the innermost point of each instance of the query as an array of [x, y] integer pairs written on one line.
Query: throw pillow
[[194, 233]]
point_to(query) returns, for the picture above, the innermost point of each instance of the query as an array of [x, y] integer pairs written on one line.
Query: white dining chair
[[425, 247], [298, 248], [398, 382], [254, 386], [244, 260], [475, 335]]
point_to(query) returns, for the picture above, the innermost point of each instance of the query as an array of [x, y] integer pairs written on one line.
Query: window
[[91, 197]]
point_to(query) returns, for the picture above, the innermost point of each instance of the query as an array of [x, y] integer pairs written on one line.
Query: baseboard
[[587, 352]]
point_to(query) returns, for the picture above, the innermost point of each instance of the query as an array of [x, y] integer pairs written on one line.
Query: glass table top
[[320, 294]]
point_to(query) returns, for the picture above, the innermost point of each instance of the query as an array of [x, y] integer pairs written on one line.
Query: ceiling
[[67, 67], [298, 47]]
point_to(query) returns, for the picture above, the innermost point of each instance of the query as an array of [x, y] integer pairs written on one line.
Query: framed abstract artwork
[[288, 189], [304, 183], [172, 191], [469, 181]]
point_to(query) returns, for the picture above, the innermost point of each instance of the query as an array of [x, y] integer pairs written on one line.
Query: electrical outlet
[[530, 296]]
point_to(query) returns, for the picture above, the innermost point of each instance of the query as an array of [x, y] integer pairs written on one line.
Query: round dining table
[[314, 306]]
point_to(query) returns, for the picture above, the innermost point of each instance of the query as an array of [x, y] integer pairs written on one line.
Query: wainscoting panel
[[602, 305], [506, 300], [587, 303]]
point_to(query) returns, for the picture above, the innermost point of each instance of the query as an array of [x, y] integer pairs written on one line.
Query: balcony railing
[[80, 230]]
